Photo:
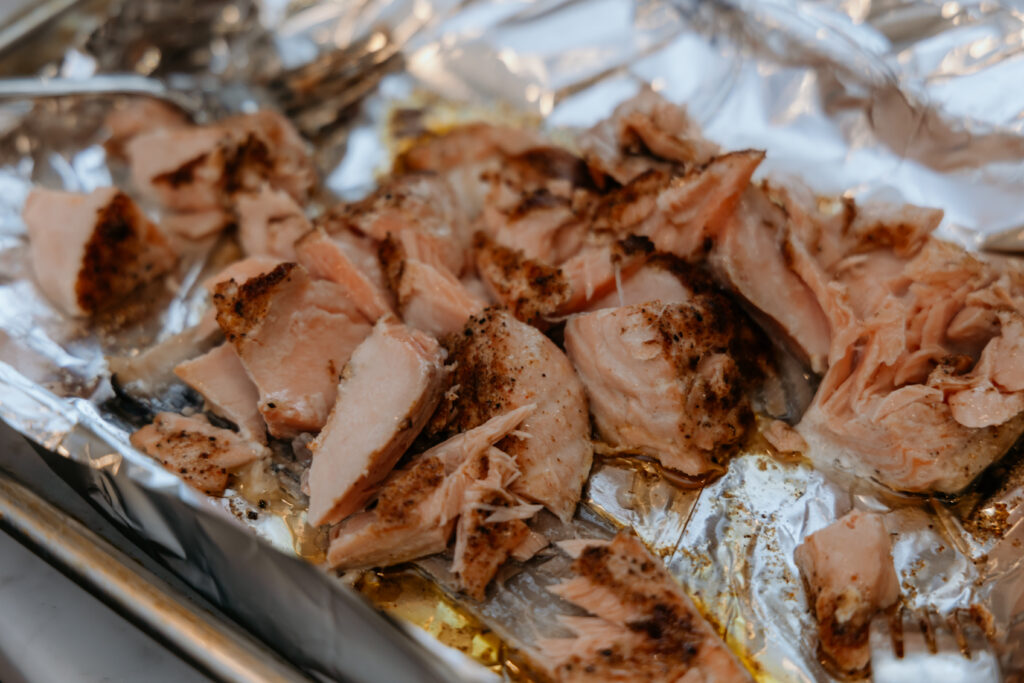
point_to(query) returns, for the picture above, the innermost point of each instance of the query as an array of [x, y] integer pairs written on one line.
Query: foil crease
[[879, 99]]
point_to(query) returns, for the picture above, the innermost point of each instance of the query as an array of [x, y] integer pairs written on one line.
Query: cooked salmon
[[645, 133], [201, 454], [136, 115], [748, 255], [241, 271], [662, 277], [903, 401], [197, 225], [429, 297], [294, 335], [388, 391], [195, 168], [644, 627], [221, 380], [418, 506], [269, 222], [668, 380], [415, 209], [680, 214], [499, 364], [344, 259], [91, 251], [849, 577]]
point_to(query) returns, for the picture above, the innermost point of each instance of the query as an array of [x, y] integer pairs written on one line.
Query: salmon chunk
[[849, 576], [429, 296], [200, 453], [220, 379], [91, 251], [662, 277], [645, 133], [197, 225], [418, 508], [347, 260], [668, 380], [294, 335], [499, 364], [195, 168], [679, 214], [269, 222], [644, 627], [388, 391]]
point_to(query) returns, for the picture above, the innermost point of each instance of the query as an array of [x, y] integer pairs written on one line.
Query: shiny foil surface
[[911, 101]]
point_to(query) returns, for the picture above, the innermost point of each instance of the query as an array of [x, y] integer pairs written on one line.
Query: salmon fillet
[[198, 452], [644, 626], [418, 508], [388, 391], [679, 214], [195, 168], [849, 577], [220, 379], [500, 363], [668, 380], [918, 327], [293, 334], [644, 133], [269, 222], [429, 297], [349, 261], [91, 251]]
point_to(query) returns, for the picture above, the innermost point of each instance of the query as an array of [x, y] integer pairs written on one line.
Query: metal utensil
[[916, 646]]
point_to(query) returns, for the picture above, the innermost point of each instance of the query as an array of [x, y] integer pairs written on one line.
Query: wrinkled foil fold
[[899, 101]]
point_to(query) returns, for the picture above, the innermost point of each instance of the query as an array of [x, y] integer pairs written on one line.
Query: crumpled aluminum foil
[[886, 99]]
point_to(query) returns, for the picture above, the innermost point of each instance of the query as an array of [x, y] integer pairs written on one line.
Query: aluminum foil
[[887, 99]]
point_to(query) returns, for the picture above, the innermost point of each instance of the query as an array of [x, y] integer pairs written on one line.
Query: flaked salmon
[[294, 335], [201, 454], [419, 506], [136, 115], [849, 577], [194, 168], [644, 133], [643, 628], [500, 364], [241, 271], [269, 222], [221, 380], [662, 277], [388, 390], [91, 251], [197, 225], [350, 262], [429, 297], [668, 380]]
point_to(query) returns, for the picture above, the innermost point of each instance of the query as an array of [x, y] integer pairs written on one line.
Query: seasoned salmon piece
[[849, 577], [90, 251], [645, 133], [668, 380], [418, 506], [137, 115], [465, 156], [429, 297], [644, 626], [680, 214], [294, 335], [341, 259], [196, 225], [192, 448], [269, 222], [662, 277], [388, 391], [748, 255], [242, 271], [196, 168], [416, 209], [500, 363], [220, 379]]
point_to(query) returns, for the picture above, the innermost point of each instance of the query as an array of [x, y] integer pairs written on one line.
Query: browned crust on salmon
[[192, 456], [391, 254], [487, 545], [124, 251], [401, 495], [533, 291], [241, 307]]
